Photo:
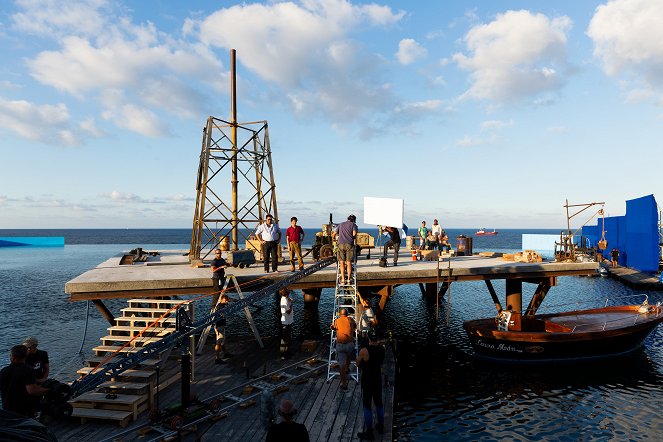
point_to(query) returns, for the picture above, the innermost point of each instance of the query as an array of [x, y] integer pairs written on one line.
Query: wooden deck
[[634, 278], [170, 274], [329, 413]]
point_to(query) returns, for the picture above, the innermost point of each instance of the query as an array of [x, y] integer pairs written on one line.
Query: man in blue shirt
[[346, 233], [218, 265]]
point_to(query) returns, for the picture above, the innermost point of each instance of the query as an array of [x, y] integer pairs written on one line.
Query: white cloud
[[495, 124], [45, 123], [53, 17], [410, 51], [628, 39], [305, 49], [108, 53], [468, 141], [516, 56]]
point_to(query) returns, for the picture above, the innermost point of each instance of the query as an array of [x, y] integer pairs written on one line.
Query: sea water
[[442, 391]]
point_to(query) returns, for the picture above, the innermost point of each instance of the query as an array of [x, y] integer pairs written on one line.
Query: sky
[[477, 113]]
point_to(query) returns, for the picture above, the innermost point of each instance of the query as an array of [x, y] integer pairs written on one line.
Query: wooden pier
[[329, 413]]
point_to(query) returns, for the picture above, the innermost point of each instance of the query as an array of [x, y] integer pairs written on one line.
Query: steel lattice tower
[[236, 153]]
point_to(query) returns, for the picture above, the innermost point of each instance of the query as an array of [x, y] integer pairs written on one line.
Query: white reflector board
[[383, 211]]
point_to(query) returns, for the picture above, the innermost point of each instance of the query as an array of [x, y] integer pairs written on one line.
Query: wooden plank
[[123, 417]]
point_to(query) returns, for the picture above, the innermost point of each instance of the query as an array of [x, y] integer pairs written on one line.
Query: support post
[[514, 301], [104, 311], [493, 295], [537, 299], [312, 296]]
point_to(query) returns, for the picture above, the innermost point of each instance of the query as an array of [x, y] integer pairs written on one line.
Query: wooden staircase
[[124, 397]]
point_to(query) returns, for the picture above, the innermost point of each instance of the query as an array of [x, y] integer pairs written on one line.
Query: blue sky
[[478, 113]]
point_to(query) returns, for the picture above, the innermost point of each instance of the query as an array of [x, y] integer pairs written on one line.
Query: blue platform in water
[[35, 241]]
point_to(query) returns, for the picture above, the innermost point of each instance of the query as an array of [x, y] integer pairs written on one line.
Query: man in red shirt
[[295, 236]]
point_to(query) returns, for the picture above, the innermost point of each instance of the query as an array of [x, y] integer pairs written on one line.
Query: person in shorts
[[345, 327], [346, 232]]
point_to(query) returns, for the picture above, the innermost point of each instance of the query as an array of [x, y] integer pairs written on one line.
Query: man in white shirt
[[269, 235], [287, 318]]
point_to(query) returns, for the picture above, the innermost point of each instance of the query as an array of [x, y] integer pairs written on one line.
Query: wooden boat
[[575, 335], [482, 232]]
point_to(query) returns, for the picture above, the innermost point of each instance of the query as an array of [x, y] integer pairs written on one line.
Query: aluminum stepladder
[[205, 333], [345, 297]]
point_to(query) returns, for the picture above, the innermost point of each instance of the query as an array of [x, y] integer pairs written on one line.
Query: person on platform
[[437, 231], [18, 386], [37, 359], [431, 240], [423, 236], [614, 255], [221, 355], [345, 327], [369, 361], [218, 266], [287, 318], [393, 242], [367, 322], [287, 430], [269, 235], [346, 232], [295, 235]]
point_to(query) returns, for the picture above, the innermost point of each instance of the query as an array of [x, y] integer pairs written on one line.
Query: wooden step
[[135, 330], [122, 417], [156, 312], [161, 302], [144, 320], [118, 402], [138, 341], [103, 349], [93, 361], [126, 375], [135, 388]]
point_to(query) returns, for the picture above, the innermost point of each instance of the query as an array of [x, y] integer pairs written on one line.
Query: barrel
[[464, 245], [224, 244]]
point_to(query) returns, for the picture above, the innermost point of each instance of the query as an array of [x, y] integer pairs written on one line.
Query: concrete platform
[[170, 273]]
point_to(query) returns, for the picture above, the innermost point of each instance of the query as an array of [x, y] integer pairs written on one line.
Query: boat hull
[[551, 344]]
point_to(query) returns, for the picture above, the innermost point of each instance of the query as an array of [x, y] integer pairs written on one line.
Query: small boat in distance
[[483, 232], [607, 331]]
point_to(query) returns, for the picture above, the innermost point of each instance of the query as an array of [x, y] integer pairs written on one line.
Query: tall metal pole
[[233, 121]]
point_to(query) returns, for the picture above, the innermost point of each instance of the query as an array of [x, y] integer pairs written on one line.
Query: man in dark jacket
[[287, 429], [18, 387]]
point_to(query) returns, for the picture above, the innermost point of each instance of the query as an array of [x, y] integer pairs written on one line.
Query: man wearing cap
[[18, 388], [369, 360], [345, 327], [269, 235], [287, 429], [346, 233], [37, 359]]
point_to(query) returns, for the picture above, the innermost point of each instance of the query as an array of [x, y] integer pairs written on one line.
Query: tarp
[[635, 234], [641, 248]]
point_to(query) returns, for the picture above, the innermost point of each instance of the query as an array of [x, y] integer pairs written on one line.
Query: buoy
[[414, 254]]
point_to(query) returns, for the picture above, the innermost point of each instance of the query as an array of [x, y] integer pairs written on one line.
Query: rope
[[80, 350]]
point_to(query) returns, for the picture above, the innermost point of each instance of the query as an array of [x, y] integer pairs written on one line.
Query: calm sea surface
[[443, 393]]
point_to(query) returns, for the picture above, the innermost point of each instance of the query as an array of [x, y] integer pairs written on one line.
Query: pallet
[[120, 402], [122, 417]]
